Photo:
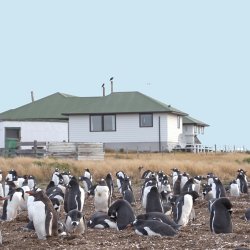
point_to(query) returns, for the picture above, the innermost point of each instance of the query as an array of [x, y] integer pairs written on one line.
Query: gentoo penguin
[[101, 220], [66, 177], [122, 212], [183, 208], [102, 197], [177, 185], [242, 182], [188, 186], [218, 189], [75, 222], [160, 217], [220, 216], [31, 182], [175, 174], [43, 215], [234, 189], [120, 175], [153, 228], [128, 195], [56, 176], [197, 184], [88, 174], [210, 178], [145, 190], [165, 201], [153, 203], [207, 192], [12, 204], [184, 179], [247, 215], [74, 196], [86, 183], [110, 183], [146, 174], [56, 195], [127, 191]]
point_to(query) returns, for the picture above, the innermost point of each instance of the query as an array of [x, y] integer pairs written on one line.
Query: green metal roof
[[118, 102], [58, 106], [190, 120], [46, 108]]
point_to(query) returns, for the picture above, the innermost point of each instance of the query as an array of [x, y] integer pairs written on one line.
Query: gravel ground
[[195, 235]]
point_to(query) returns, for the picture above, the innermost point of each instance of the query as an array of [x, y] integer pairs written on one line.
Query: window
[[100, 123], [178, 121], [146, 120]]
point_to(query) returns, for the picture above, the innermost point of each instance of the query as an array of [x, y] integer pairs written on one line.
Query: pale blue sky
[[194, 55]]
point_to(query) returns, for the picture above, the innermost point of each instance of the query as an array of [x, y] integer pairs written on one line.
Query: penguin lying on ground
[[160, 217], [153, 228], [101, 220]]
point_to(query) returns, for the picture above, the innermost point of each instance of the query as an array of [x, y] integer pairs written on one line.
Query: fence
[[71, 150]]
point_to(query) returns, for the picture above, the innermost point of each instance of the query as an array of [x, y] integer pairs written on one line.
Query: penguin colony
[[168, 202]]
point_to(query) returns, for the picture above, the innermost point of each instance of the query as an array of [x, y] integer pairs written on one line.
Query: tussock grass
[[223, 165]]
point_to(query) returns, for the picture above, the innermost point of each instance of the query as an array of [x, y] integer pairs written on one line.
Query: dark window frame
[[102, 123], [140, 120]]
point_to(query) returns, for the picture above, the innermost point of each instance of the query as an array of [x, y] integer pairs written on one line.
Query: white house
[[120, 120]]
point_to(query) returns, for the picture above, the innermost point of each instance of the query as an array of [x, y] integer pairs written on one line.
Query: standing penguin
[[188, 186], [75, 222], [102, 197], [110, 183], [184, 179], [175, 174], [220, 216], [242, 182], [153, 203], [43, 215], [88, 174], [218, 189], [74, 196], [183, 208], [122, 212], [177, 185], [234, 189]]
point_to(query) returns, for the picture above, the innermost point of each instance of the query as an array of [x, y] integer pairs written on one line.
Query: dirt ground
[[195, 235]]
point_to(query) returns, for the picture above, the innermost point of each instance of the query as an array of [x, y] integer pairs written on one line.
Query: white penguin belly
[[37, 212]]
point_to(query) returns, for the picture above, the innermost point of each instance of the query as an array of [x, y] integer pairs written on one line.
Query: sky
[[193, 55]]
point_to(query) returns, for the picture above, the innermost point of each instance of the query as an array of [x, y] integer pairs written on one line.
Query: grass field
[[224, 165]]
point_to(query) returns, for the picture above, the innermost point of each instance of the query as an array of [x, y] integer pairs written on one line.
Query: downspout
[[159, 123]]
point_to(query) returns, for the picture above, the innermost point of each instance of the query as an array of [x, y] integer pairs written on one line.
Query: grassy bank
[[223, 165]]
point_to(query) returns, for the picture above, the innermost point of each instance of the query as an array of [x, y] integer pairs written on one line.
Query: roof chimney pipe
[[103, 89], [111, 82], [32, 96]]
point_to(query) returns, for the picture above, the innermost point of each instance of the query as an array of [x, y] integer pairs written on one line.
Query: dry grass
[[223, 165]]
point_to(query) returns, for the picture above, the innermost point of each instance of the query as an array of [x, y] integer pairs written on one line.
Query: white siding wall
[[173, 131], [188, 131], [40, 131], [127, 130]]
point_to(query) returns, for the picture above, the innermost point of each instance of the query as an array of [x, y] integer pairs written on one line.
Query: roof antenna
[[111, 82], [32, 96], [103, 89]]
